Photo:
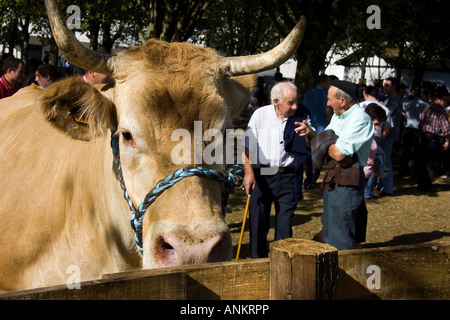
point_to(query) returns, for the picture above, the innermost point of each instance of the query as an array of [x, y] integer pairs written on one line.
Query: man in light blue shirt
[[355, 130]]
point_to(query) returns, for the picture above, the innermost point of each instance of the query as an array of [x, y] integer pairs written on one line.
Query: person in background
[[370, 94], [31, 75], [46, 75], [394, 103], [93, 77], [13, 73], [411, 136], [374, 167], [435, 129]]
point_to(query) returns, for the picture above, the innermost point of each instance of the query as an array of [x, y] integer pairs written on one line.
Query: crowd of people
[[15, 75], [349, 134]]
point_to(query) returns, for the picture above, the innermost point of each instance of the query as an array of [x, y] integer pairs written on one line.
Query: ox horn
[[236, 66], [70, 47]]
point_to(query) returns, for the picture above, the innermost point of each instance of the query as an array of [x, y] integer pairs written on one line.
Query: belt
[[286, 170], [283, 170]]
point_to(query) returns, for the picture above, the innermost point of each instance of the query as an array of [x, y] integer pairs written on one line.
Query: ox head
[[159, 88]]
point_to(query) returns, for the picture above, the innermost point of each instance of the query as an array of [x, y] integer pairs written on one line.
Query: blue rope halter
[[232, 178]]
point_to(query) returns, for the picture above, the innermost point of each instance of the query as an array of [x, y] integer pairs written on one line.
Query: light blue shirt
[[355, 131]]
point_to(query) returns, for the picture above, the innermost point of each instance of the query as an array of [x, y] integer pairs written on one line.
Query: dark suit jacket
[[345, 172], [293, 143]]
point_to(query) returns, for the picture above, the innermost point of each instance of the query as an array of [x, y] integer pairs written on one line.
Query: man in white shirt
[[271, 171], [93, 77]]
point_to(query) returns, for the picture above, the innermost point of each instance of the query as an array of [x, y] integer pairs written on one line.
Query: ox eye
[[127, 135]]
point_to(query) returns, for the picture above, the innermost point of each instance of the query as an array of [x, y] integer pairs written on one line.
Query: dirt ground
[[408, 217]]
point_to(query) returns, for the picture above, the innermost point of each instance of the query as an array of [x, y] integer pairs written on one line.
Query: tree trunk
[[418, 73], [308, 68], [94, 30]]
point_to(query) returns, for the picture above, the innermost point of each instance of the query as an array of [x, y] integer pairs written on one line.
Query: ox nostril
[[166, 246], [165, 254]]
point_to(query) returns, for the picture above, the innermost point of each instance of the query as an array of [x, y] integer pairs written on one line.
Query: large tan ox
[[62, 208]]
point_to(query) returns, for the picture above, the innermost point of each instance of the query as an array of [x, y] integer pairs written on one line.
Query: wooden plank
[[235, 280], [402, 272], [303, 270], [242, 280], [155, 285]]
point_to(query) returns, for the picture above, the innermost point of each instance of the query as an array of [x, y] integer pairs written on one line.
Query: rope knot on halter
[[232, 178]]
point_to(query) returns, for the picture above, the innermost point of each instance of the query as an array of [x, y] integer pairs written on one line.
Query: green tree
[[326, 20], [104, 21], [411, 36], [168, 20], [16, 22], [236, 27]]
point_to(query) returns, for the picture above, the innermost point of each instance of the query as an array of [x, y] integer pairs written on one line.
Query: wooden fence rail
[[296, 269]]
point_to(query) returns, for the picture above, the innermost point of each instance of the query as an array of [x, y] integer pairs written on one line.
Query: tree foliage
[[411, 36], [416, 31], [168, 20], [235, 27], [18, 19], [326, 20]]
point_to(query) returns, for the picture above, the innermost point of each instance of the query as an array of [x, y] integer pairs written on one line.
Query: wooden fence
[[296, 269]]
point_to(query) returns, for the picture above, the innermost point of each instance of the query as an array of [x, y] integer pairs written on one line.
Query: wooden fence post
[[303, 270]]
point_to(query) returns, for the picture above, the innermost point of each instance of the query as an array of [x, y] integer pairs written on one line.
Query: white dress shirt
[[264, 138]]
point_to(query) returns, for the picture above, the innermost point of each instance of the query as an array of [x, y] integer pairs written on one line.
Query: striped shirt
[[434, 120]]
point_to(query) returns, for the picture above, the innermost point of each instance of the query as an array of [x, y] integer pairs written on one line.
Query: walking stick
[[243, 226]]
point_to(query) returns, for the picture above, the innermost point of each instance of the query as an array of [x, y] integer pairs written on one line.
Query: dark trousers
[[411, 141], [431, 155], [340, 211], [311, 178], [277, 189]]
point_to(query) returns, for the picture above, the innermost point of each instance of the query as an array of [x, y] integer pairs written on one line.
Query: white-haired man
[[273, 159]]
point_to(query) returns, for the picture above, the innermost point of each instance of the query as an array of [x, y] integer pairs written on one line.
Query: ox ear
[[78, 108]]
